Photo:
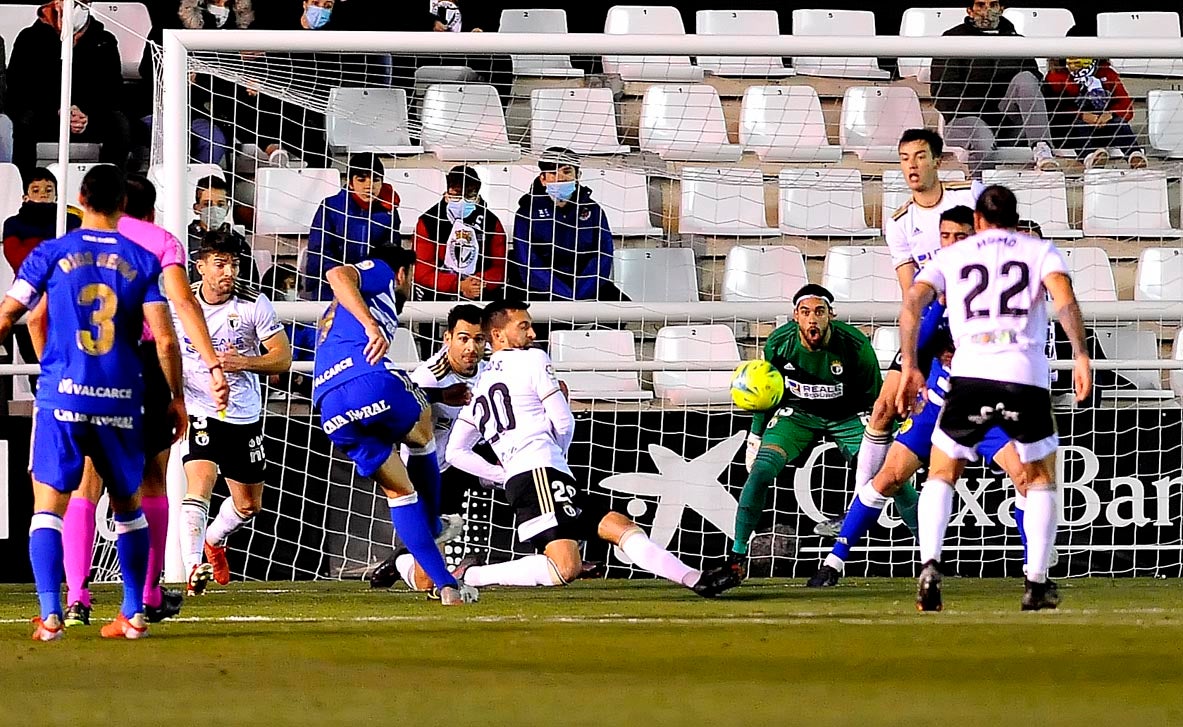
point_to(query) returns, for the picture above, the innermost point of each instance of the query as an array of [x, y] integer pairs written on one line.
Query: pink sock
[[156, 510], [78, 547]]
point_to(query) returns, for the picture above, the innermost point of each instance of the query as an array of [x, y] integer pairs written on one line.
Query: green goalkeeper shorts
[[794, 432]]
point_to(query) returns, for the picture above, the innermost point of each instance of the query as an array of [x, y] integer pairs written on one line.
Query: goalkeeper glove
[[750, 454]]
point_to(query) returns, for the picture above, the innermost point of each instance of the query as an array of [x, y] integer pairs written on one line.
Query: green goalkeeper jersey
[[834, 383]]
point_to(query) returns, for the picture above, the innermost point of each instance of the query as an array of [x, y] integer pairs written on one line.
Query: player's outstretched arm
[[1059, 285], [168, 351], [459, 453], [346, 285], [917, 297], [10, 312], [178, 292]]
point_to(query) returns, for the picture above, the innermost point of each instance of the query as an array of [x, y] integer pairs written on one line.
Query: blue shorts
[[62, 439], [916, 431], [368, 416]]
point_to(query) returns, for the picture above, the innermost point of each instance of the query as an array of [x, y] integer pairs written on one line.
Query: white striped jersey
[[914, 233], [437, 373]]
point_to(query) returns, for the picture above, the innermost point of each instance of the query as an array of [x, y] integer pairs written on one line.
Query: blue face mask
[[461, 209], [561, 191], [317, 16]]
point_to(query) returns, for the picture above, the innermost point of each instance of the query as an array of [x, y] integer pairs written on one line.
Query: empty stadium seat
[[648, 20], [1041, 23], [287, 199], [193, 174], [763, 273], [1127, 203], [264, 259], [538, 20], [861, 273], [130, 23], [580, 119], [785, 124], [624, 196], [72, 183], [1160, 274], [369, 119], [656, 275], [1165, 112], [896, 192], [465, 123], [823, 202], [1176, 376], [12, 189], [1092, 275], [754, 23], [874, 117], [1136, 345], [1043, 197], [723, 202], [886, 342], [418, 190], [925, 23], [1140, 24], [679, 344], [403, 348], [837, 22], [598, 347], [502, 187], [685, 123], [14, 19]]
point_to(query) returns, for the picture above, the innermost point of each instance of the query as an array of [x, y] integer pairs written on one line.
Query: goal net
[[727, 179]]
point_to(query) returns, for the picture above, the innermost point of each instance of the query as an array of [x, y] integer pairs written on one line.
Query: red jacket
[[432, 278], [1059, 80]]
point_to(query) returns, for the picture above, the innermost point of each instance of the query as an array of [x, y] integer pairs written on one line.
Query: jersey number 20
[[102, 319], [1006, 305], [495, 406]]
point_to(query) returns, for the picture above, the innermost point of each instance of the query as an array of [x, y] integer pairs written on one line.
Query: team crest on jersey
[[233, 320], [836, 368], [365, 265], [905, 426], [584, 215], [201, 436]]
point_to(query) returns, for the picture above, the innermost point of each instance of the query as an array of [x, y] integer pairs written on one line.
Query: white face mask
[[213, 217], [81, 15], [220, 13], [290, 294]]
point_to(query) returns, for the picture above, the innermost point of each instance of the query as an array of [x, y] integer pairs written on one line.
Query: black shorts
[[549, 508], [974, 406], [158, 433], [237, 449]]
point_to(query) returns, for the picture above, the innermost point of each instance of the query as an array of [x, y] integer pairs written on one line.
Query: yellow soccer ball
[[757, 386]]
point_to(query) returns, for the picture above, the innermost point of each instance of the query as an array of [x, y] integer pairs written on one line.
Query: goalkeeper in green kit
[[831, 378]]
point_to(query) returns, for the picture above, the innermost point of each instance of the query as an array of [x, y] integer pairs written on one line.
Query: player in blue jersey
[[101, 288], [368, 406]]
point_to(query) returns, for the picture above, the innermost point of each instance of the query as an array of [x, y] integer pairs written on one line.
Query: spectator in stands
[[983, 99], [282, 278], [446, 17], [459, 244], [562, 245], [1096, 110], [212, 205], [34, 86], [5, 121], [362, 215]]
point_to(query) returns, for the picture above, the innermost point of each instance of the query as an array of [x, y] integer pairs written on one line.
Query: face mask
[[81, 15], [317, 16], [290, 294], [988, 20], [461, 209], [220, 13], [561, 191], [214, 217]]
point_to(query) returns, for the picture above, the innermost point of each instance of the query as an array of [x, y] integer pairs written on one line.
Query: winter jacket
[[342, 234], [194, 16], [974, 86], [1065, 91], [561, 253], [29, 227], [433, 278]]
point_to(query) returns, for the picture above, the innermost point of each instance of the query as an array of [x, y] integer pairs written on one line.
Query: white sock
[[933, 512], [225, 524], [871, 497], [194, 515], [532, 570], [405, 564], [834, 562], [872, 453], [657, 560], [1041, 532]]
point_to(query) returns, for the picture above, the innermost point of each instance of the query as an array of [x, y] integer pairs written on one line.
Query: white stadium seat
[[723, 202], [1176, 376], [12, 189], [1043, 198], [14, 19], [193, 174], [861, 273], [538, 20], [580, 119], [502, 187], [1160, 274], [418, 190], [896, 192], [1092, 274], [287, 199], [73, 181], [886, 342], [624, 196], [648, 20], [837, 22], [130, 23], [1140, 24], [754, 23], [598, 347], [685, 123], [465, 123], [1127, 203], [785, 124], [403, 348], [1136, 345], [874, 117], [678, 344], [369, 119], [1165, 111], [1041, 23], [823, 202], [656, 274], [763, 273], [925, 23]]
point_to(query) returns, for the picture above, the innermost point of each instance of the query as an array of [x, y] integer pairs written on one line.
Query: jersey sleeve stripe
[[546, 396]]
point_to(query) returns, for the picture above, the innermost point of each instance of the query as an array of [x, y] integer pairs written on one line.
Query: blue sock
[[859, 520], [131, 544], [1020, 514], [45, 553], [423, 468], [410, 522]]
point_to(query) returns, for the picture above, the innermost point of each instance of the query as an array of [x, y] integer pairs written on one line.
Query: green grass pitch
[[614, 654]]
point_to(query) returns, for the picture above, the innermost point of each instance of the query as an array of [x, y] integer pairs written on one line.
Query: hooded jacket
[[342, 233], [561, 253], [433, 278], [974, 86]]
